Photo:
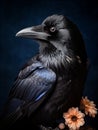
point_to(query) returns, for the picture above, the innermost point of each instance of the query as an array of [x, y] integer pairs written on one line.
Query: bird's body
[[52, 81]]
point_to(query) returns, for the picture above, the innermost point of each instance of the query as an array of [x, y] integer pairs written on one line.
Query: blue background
[[14, 52]]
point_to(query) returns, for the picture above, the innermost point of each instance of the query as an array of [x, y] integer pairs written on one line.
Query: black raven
[[53, 80]]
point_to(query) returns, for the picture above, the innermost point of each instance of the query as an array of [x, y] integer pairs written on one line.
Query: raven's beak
[[34, 32]]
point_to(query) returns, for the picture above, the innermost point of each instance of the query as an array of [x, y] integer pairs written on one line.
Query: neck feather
[[55, 58]]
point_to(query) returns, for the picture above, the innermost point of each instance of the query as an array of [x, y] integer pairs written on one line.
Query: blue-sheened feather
[[31, 88], [40, 96]]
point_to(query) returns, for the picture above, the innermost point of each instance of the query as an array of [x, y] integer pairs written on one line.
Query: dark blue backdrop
[[14, 52]]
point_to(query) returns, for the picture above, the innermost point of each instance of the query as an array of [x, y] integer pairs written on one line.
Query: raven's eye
[[52, 29]]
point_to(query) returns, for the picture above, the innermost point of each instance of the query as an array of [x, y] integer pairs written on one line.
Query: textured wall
[[14, 52]]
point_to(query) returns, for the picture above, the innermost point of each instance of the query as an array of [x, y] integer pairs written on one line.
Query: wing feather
[[31, 88]]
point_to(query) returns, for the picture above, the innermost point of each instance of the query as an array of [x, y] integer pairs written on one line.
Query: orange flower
[[88, 106], [74, 118]]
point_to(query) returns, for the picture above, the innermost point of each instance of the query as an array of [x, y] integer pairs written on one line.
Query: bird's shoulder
[[33, 81]]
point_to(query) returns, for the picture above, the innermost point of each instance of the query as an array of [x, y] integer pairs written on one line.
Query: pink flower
[[74, 118], [61, 126], [88, 106]]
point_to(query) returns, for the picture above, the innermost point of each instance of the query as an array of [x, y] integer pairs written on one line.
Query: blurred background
[[15, 52]]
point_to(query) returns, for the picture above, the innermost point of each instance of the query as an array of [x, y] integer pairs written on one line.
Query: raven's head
[[58, 37]]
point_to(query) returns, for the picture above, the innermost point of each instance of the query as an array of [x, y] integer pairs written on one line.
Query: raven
[[52, 81]]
